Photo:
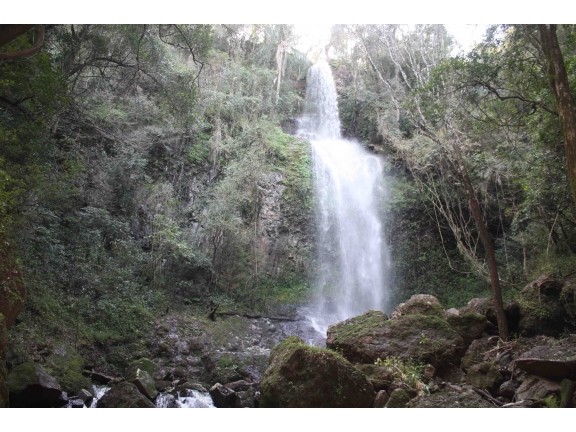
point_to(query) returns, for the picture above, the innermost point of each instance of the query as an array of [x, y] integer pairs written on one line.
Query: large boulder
[[30, 386], [140, 373], [469, 324], [223, 397], [124, 395], [300, 376], [422, 338], [66, 365], [542, 311]]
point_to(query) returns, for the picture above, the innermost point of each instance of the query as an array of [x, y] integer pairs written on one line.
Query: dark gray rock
[[223, 397], [76, 403], [555, 360], [30, 386], [536, 388], [125, 395], [85, 396], [381, 399], [485, 375], [239, 386], [476, 352], [470, 325], [508, 388], [399, 398]]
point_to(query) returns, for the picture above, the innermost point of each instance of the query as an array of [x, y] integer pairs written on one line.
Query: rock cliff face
[[284, 236]]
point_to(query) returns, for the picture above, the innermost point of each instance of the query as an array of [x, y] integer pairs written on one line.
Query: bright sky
[[307, 12], [318, 35]]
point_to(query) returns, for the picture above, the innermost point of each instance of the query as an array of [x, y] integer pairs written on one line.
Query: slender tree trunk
[[564, 99], [492, 267], [488, 248]]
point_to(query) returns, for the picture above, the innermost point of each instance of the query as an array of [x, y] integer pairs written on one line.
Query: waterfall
[[350, 190]]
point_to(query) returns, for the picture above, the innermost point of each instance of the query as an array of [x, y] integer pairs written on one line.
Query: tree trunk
[[488, 247], [26, 52], [564, 99], [492, 266]]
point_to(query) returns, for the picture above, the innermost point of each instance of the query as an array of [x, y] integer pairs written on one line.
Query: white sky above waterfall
[[308, 12], [314, 35]]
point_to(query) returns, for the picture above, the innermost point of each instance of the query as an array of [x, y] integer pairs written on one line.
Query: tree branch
[[27, 52]]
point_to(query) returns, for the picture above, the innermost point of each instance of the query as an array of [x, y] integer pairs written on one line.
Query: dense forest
[[152, 170]]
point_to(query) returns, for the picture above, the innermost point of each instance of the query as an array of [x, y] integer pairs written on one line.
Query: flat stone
[[555, 361]]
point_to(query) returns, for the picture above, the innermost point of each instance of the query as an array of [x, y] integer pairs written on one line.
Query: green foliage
[[551, 401], [132, 159], [408, 372]]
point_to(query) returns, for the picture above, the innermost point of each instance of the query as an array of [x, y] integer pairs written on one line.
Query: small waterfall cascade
[[350, 191]]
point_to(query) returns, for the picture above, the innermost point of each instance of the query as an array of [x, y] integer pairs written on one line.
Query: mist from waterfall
[[350, 190]]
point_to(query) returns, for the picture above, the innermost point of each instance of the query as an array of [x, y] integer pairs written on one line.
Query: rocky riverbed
[[421, 356]]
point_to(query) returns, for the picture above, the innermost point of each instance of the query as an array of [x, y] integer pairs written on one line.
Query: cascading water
[[352, 256]]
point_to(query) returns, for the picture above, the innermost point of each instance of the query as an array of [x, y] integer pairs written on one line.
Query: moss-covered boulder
[[145, 384], [542, 311], [300, 376], [422, 338], [31, 386], [470, 325], [66, 365], [398, 399], [124, 395], [419, 304], [140, 373]]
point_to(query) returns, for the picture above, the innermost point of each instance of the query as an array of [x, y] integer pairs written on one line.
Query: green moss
[[535, 307], [19, 377], [364, 325], [66, 365], [551, 401], [228, 368], [304, 376], [144, 364]]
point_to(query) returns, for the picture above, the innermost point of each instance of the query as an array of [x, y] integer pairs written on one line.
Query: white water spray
[[350, 186]]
